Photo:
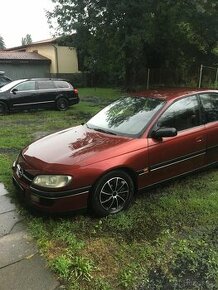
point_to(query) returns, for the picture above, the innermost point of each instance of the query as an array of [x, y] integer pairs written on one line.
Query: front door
[[23, 95], [173, 156]]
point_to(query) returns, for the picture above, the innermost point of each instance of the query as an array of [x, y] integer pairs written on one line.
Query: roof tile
[[21, 55]]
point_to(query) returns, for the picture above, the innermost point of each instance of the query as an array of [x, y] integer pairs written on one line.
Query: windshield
[[128, 116]]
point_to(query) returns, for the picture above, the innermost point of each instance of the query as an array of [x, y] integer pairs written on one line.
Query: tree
[[27, 39], [120, 39], [109, 38], [2, 43]]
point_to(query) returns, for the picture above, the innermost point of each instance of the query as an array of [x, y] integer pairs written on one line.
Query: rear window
[[62, 85], [210, 105], [46, 85]]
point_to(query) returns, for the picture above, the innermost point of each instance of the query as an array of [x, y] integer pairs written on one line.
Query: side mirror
[[163, 132], [14, 91]]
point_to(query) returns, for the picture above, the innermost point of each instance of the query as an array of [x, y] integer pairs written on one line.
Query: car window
[[62, 84], [210, 104], [26, 86], [183, 114], [46, 85]]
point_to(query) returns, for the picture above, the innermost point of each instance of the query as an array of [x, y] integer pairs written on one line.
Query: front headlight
[[52, 181]]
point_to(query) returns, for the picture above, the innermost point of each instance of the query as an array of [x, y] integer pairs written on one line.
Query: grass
[[166, 240]]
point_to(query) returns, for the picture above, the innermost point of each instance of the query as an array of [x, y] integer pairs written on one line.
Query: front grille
[[24, 175], [27, 176]]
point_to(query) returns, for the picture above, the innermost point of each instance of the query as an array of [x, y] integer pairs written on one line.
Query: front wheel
[[112, 193], [62, 104], [3, 108]]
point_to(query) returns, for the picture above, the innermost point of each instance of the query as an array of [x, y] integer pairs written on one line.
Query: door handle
[[199, 140]]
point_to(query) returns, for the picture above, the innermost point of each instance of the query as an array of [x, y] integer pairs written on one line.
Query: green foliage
[[128, 278], [182, 264], [5, 169], [118, 40], [26, 40], [62, 265], [69, 267], [100, 284], [2, 43], [101, 94], [62, 231], [82, 268]]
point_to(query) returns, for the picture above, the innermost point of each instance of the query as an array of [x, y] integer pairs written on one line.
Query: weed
[[128, 278], [100, 284], [62, 231], [82, 268], [62, 265]]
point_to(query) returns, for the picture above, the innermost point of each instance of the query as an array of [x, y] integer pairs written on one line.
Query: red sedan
[[133, 143]]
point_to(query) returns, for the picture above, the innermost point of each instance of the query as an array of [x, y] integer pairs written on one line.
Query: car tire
[[112, 193], [62, 104], [3, 108]]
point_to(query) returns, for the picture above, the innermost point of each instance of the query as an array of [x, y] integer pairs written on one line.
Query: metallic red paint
[[87, 155]]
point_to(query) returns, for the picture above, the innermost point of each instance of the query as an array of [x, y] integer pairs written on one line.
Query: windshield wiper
[[104, 131]]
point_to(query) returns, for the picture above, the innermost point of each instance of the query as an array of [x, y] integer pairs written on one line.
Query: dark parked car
[[3, 79], [37, 93], [135, 142]]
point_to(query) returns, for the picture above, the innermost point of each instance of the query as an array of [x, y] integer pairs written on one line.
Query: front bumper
[[50, 201]]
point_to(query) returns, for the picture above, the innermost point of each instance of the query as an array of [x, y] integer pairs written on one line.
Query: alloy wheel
[[114, 194]]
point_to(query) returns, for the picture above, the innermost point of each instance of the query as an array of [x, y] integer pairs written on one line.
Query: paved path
[[21, 266]]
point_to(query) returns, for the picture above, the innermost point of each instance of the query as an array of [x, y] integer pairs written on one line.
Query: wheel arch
[[6, 104], [127, 170], [93, 204], [59, 96]]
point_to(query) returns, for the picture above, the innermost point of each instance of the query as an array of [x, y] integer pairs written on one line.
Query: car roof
[[172, 93], [46, 79], [35, 79], [16, 82], [40, 79]]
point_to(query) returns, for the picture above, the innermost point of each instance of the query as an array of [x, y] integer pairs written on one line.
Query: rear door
[[210, 107], [173, 156], [46, 93]]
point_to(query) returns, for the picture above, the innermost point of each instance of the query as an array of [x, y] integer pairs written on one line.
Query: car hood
[[77, 147]]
